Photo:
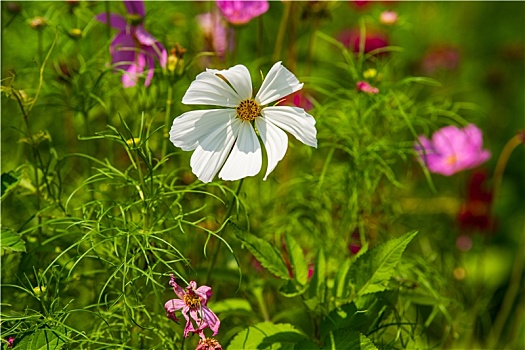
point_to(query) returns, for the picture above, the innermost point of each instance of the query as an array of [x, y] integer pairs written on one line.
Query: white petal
[[191, 127], [246, 156], [275, 141], [294, 120], [209, 89], [239, 77], [211, 152], [279, 83]]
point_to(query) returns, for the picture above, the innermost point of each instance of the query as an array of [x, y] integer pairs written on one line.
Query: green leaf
[[9, 182], [41, 340], [343, 339], [228, 305], [340, 283], [371, 272], [264, 252], [267, 335], [299, 266], [306, 344], [10, 241], [317, 288], [292, 289]]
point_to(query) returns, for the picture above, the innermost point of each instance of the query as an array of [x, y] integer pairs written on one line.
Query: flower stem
[[503, 160], [165, 133], [216, 248], [282, 30]]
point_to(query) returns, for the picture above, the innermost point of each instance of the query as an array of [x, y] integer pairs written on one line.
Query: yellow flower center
[[248, 110], [451, 160], [210, 343], [193, 301]]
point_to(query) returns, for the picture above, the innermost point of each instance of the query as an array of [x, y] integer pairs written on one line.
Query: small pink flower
[[388, 17], [452, 150], [10, 342], [241, 12], [193, 303], [367, 88], [352, 39]]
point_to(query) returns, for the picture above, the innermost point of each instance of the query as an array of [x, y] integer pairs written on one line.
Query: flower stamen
[[192, 301], [248, 110]]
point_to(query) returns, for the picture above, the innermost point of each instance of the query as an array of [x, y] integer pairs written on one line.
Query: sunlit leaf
[[267, 335]]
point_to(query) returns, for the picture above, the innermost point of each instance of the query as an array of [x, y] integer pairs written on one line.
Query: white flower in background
[[225, 138]]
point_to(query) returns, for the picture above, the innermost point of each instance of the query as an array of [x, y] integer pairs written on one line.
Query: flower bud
[[38, 23], [75, 33]]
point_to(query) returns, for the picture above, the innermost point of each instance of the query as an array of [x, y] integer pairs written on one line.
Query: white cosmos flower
[[225, 137]]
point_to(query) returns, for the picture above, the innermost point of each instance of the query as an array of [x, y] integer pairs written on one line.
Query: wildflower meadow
[[296, 175]]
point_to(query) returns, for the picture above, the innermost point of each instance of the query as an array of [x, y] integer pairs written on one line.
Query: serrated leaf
[[10, 241], [343, 339], [265, 253], [267, 335], [9, 181], [299, 266], [41, 340], [372, 271]]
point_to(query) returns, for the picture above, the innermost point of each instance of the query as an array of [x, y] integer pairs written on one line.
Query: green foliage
[[10, 241], [267, 335]]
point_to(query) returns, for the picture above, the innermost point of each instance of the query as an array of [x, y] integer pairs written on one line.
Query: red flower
[[475, 213]]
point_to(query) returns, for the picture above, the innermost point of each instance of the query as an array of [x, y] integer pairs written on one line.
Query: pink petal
[[135, 8], [115, 21]]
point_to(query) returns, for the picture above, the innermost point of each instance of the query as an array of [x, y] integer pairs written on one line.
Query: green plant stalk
[[167, 116], [282, 29], [216, 248]]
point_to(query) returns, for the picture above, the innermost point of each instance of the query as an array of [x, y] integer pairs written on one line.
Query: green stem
[[282, 29], [165, 133], [502, 162], [216, 248]]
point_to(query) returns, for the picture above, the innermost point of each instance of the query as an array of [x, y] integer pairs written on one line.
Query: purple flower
[[133, 49], [193, 303], [365, 87], [241, 12], [452, 150], [10, 342]]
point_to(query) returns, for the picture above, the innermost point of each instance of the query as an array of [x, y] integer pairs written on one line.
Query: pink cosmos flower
[[133, 49], [193, 302], [452, 150], [240, 11], [373, 40], [367, 88], [217, 36], [388, 17]]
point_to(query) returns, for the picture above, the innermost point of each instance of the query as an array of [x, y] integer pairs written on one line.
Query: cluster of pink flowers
[[193, 303]]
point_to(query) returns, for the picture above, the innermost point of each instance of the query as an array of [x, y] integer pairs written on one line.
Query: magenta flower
[[442, 57], [241, 12], [299, 99], [365, 87], [193, 303], [373, 41], [133, 49], [452, 150]]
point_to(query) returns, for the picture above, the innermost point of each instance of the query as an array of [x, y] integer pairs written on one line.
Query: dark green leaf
[[343, 339], [9, 181], [264, 252]]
